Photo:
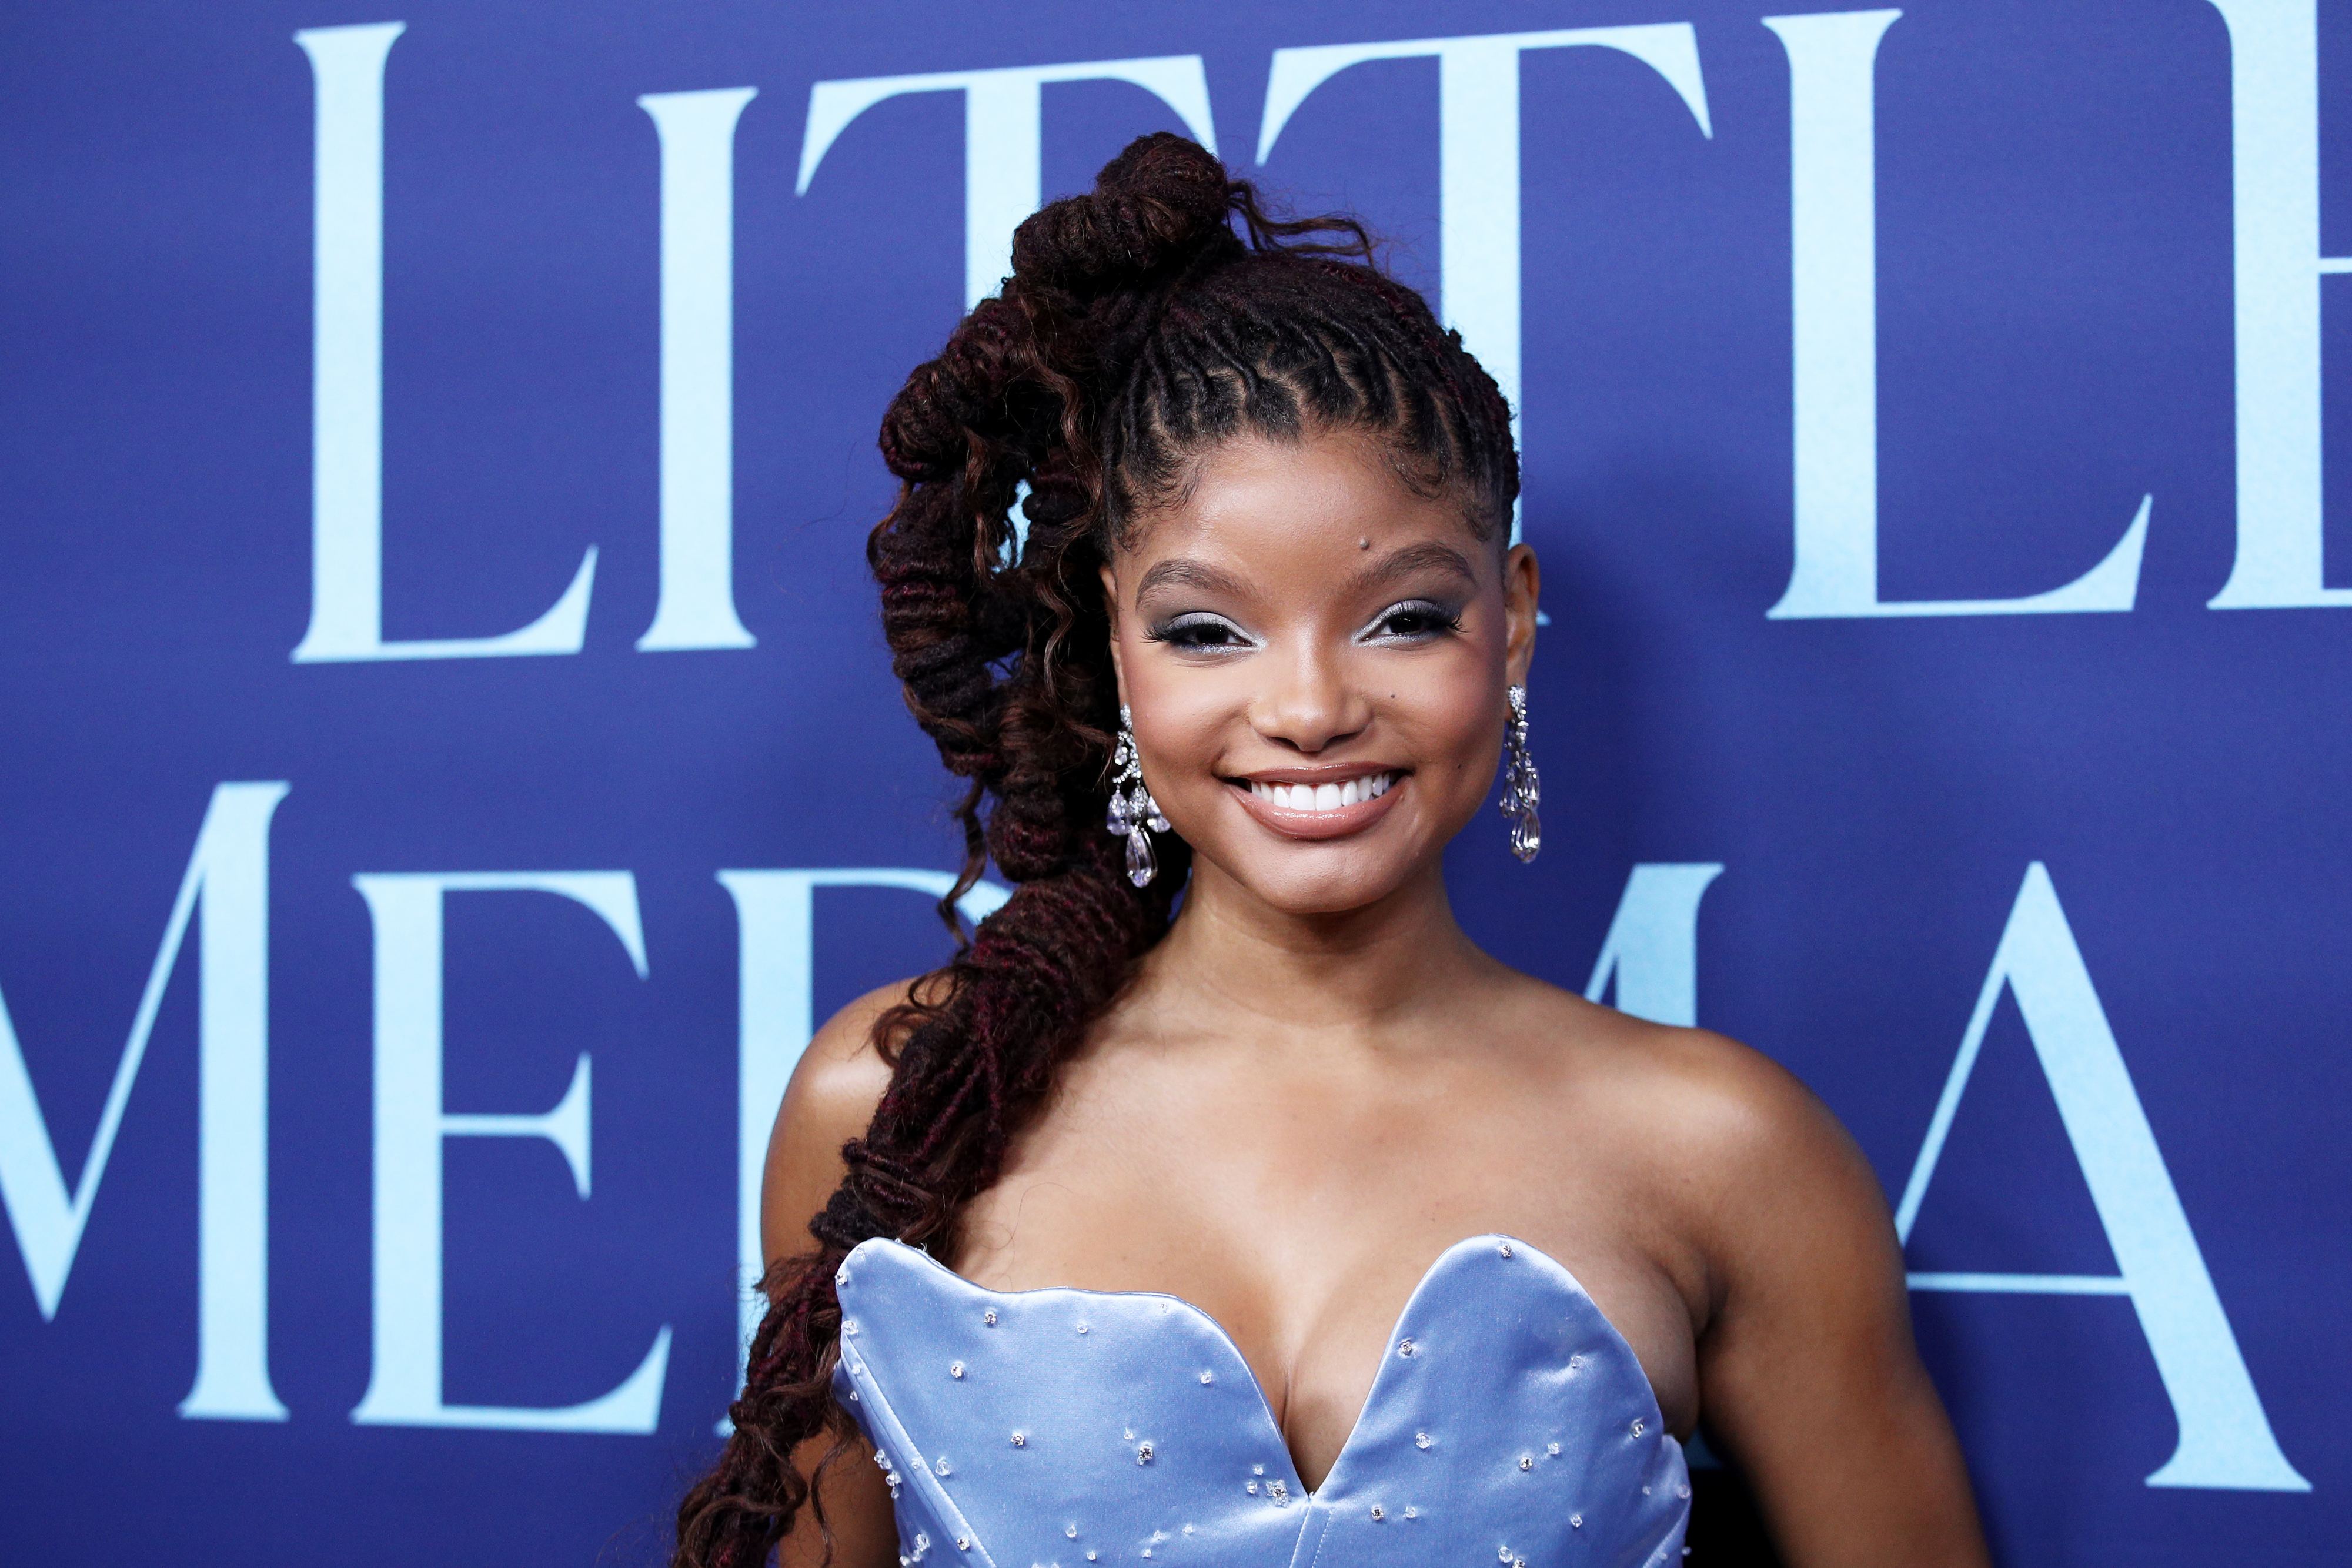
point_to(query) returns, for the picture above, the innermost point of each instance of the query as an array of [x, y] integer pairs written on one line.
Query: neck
[[1360, 973]]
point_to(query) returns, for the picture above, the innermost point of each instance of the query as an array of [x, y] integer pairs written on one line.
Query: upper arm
[[1808, 1371], [830, 1100]]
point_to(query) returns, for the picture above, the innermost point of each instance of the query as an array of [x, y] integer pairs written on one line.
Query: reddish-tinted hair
[[1143, 324]]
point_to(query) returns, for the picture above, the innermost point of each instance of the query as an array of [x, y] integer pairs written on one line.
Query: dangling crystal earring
[[1521, 789], [1132, 809]]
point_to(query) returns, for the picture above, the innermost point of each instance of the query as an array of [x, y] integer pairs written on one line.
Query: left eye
[[1416, 621]]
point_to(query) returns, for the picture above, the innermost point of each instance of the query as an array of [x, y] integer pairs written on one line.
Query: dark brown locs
[[1143, 324]]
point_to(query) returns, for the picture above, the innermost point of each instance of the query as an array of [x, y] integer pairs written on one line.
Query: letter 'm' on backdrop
[[450, 753]]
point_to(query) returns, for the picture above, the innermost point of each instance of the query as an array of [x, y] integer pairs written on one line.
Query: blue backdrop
[[450, 758]]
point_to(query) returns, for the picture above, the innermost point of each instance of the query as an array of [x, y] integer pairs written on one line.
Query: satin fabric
[[1510, 1424]]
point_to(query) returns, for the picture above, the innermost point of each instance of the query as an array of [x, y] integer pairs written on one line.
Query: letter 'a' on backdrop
[[453, 766]]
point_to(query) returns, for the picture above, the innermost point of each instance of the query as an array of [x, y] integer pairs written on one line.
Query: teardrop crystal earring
[[1132, 809], [1521, 789]]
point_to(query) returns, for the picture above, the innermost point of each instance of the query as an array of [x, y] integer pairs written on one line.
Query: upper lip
[[1320, 773]]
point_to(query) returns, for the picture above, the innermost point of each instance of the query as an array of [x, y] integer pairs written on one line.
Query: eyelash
[[1174, 630], [1442, 620]]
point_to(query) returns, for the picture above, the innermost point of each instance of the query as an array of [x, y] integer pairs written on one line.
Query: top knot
[[1161, 203]]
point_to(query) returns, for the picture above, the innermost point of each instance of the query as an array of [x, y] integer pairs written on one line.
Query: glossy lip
[[1293, 823]]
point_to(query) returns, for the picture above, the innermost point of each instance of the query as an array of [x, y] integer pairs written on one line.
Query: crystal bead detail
[[1143, 1454], [1420, 1440], [1504, 1249], [1521, 787], [955, 1369], [1132, 809], [1379, 1512], [1020, 1439], [1527, 1462], [1406, 1348]]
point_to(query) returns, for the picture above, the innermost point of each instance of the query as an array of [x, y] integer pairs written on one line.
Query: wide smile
[[1326, 805]]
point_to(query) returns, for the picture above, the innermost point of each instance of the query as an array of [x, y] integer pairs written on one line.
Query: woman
[[1293, 1228]]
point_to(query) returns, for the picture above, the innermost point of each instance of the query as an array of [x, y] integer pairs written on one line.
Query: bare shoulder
[[1735, 1134], [830, 1100]]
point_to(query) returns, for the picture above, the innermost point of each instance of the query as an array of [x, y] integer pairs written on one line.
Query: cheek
[[1452, 706], [1182, 717]]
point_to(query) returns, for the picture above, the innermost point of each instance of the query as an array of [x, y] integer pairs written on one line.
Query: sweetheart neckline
[[1257, 1385]]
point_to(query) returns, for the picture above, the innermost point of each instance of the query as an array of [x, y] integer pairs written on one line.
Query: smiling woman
[[1290, 1223]]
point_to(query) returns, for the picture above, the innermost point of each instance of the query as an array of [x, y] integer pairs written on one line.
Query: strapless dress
[[1510, 1425]]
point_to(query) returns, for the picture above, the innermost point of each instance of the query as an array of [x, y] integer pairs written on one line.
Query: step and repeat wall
[[450, 759]]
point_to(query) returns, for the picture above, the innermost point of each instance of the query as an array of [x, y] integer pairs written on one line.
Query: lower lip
[[1294, 824]]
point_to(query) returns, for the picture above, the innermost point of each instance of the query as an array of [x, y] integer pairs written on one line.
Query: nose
[[1308, 702]]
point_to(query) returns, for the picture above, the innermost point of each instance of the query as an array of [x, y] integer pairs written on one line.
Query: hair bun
[[1162, 202]]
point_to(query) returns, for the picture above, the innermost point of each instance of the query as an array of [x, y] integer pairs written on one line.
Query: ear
[[1111, 609], [1521, 580]]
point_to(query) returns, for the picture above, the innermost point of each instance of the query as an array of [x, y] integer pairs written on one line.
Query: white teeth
[[1324, 797]]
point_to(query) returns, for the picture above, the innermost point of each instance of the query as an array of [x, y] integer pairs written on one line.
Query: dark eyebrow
[[1184, 573], [1412, 559]]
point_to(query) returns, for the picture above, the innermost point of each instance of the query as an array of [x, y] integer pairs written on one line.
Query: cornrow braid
[[1144, 323]]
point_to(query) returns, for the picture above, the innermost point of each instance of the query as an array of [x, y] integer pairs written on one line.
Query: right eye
[[1200, 631]]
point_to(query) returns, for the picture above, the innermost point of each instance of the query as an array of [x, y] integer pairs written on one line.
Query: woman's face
[[1316, 658]]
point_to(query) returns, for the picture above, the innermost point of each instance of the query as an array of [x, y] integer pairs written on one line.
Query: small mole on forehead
[[1364, 543]]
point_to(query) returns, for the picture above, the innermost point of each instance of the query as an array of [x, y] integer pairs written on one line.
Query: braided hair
[[1144, 324]]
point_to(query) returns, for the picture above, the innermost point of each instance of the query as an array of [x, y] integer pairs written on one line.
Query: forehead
[[1263, 502]]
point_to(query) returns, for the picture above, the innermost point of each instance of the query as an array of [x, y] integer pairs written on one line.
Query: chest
[[1056, 1424], [1303, 1223]]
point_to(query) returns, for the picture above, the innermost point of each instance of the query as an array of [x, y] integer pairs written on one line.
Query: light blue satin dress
[[1510, 1425]]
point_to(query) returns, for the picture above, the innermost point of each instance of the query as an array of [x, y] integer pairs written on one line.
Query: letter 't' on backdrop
[[451, 762]]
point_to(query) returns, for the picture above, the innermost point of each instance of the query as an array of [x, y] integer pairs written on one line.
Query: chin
[[1306, 891]]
